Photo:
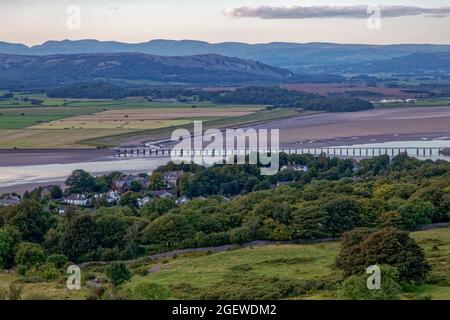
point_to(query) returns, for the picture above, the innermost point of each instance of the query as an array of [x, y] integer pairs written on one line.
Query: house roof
[[73, 196], [159, 193], [172, 174]]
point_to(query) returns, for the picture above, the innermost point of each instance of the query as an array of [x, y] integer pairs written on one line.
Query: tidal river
[[20, 176]]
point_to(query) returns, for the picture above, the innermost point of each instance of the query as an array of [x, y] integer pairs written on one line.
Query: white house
[[76, 199], [112, 196]]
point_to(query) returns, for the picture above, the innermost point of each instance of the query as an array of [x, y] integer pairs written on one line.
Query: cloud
[[307, 12]]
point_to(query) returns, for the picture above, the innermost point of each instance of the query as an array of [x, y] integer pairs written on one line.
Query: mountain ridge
[[297, 57], [58, 69]]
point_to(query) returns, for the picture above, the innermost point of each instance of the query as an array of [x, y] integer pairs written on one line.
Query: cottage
[[76, 199], [171, 178]]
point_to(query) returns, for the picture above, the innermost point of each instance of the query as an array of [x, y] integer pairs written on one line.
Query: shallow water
[[10, 176], [17, 175]]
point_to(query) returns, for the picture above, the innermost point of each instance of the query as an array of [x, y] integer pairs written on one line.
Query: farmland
[[57, 123]]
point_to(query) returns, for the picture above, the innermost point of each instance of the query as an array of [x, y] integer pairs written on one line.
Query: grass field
[[259, 272]]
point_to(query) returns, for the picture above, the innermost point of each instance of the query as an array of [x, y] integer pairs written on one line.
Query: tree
[[169, 230], [417, 212], [351, 259], [29, 254], [309, 222], [79, 238], [342, 215], [56, 192], [118, 273], [6, 247], [135, 186], [150, 291], [30, 219], [80, 181], [112, 229], [129, 199], [156, 181], [386, 246], [157, 207]]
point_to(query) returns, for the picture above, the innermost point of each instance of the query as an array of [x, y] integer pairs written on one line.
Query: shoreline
[[30, 157]]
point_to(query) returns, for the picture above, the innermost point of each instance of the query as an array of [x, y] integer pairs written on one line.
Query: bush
[[150, 291], [29, 254], [15, 292], [3, 294], [58, 260], [355, 287], [118, 273], [46, 271]]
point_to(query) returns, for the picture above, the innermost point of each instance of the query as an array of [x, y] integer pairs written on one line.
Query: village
[[124, 190]]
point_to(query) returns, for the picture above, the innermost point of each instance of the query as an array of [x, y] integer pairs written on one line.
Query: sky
[[254, 21]]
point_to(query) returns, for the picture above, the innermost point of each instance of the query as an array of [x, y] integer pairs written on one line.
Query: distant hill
[[297, 57], [42, 71], [417, 63]]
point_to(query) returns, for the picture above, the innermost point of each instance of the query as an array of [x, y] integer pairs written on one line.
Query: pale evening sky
[[35, 21]]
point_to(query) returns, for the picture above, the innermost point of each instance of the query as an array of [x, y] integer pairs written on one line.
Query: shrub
[[150, 291], [58, 260], [15, 292], [355, 287], [29, 254], [118, 273]]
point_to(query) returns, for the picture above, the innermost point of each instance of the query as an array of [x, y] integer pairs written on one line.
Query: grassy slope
[[190, 276], [309, 262]]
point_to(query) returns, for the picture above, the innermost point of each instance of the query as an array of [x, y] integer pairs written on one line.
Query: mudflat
[[24, 157], [394, 124]]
